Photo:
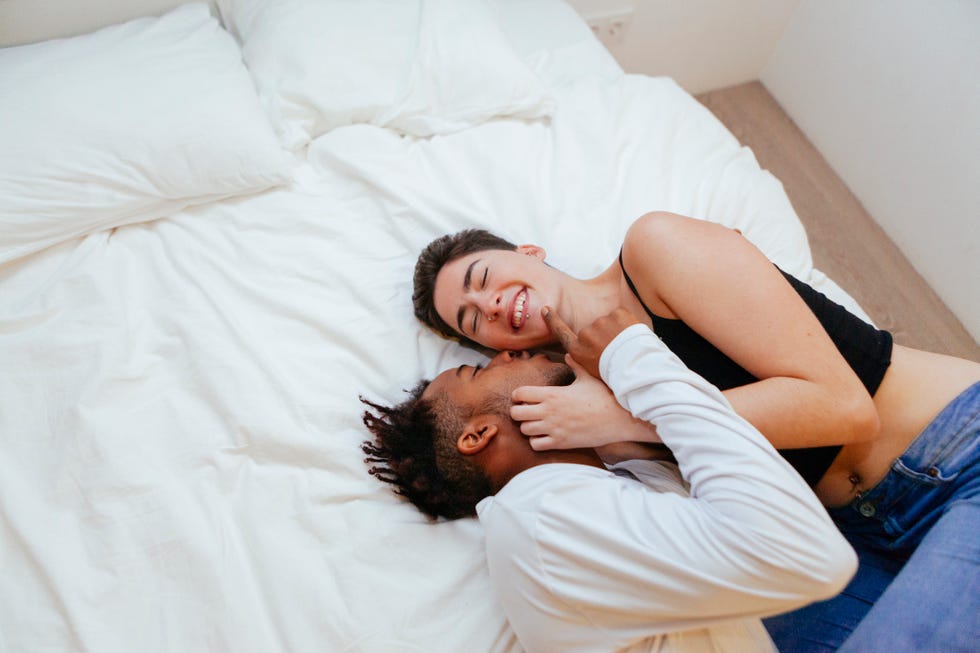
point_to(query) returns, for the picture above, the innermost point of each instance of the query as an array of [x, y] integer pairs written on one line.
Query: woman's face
[[495, 297]]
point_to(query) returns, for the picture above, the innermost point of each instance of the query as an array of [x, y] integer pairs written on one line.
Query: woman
[[886, 435]]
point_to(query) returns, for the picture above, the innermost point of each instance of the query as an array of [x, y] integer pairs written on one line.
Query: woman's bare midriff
[[916, 388]]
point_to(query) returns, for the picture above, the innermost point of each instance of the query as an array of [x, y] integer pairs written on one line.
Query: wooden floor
[[847, 244]]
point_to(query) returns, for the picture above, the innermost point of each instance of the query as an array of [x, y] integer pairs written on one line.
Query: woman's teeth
[[518, 317]]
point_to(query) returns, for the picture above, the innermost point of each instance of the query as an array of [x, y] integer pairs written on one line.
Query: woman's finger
[[526, 412], [534, 428], [542, 443], [531, 394]]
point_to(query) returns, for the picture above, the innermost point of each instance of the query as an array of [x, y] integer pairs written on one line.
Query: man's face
[[473, 386]]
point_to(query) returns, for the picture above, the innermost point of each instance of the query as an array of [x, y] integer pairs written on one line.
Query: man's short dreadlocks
[[414, 449]]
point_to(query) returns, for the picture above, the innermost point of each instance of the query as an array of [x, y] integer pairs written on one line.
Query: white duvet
[[180, 463]]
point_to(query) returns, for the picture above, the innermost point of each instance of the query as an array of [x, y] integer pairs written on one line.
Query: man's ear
[[532, 250], [477, 433]]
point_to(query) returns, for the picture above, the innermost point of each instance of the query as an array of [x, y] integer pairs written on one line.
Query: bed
[[208, 225]]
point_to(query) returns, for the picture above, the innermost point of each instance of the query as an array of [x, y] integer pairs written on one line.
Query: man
[[644, 556]]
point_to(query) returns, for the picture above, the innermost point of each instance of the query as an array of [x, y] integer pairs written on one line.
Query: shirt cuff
[[627, 335]]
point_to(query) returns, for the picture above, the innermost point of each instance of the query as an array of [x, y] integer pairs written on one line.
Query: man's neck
[[500, 477]]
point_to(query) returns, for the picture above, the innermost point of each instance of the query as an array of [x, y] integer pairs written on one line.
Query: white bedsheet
[[179, 420]]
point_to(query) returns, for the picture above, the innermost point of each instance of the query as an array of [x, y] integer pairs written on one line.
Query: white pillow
[[420, 67], [127, 124]]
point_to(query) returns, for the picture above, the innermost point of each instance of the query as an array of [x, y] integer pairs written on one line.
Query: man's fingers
[[574, 364], [559, 329]]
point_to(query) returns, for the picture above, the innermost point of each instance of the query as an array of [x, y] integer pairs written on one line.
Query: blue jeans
[[917, 536]]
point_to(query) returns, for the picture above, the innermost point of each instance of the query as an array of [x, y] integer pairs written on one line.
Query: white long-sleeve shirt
[[649, 556]]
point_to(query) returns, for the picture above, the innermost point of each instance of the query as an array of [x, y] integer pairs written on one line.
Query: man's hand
[[588, 345]]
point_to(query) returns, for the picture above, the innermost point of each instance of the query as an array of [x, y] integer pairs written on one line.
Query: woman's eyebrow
[[469, 274], [467, 278]]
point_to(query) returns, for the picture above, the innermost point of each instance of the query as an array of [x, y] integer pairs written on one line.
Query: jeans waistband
[[940, 466], [937, 451]]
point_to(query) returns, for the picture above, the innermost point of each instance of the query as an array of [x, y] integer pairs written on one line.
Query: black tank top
[[866, 349]]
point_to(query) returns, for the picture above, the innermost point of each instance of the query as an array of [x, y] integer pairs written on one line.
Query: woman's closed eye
[[483, 285]]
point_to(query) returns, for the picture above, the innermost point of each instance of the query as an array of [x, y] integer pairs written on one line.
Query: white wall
[[889, 92], [703, 44]]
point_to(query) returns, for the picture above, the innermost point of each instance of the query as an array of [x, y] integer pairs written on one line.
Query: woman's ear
[[532, 250], [477, 433]]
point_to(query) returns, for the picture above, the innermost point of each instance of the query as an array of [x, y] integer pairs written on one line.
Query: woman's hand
[[583, 414]]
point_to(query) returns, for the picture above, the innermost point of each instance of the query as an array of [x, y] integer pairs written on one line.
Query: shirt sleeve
[[750, 540]]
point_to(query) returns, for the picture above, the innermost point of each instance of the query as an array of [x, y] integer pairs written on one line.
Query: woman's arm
[[725, 289]]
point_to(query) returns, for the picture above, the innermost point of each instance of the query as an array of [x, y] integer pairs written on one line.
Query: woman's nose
[[492, 306]]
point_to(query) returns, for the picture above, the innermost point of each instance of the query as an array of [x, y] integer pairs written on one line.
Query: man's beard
[[562, 375]]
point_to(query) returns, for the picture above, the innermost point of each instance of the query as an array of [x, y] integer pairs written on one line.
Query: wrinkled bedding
[[179, 418]]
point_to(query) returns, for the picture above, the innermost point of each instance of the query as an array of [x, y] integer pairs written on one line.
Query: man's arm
[[751, 540]]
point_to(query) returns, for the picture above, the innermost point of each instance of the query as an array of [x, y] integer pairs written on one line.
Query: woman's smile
[[518, 316]]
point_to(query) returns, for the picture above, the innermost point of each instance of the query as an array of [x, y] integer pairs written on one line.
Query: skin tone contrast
[[725, 289]]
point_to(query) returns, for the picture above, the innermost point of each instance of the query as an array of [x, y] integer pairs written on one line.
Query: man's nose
[[508, 357]]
